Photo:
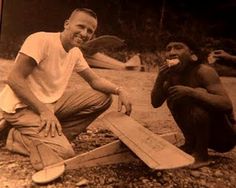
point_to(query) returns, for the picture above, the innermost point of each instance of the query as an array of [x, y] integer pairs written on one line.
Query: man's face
[[178, 50], [80, 28]]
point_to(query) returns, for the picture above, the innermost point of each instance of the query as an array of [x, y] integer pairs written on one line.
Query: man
[[196, 99], [35, 101]]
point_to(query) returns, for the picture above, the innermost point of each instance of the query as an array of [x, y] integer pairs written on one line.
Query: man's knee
[[103, 101], [66, 153], [199, 114], [106, 99], [197, 119], [62, 147]]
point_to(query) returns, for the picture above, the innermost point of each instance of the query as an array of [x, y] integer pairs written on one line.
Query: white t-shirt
[[49, 78]]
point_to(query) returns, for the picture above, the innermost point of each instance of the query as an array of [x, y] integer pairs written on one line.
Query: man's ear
[[194, 57], [66, 24]]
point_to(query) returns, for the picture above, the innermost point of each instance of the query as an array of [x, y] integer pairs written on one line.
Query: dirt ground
[[16, 170]]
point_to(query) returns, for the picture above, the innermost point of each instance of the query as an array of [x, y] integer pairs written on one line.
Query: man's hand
[[123, 99], [221, 54], [164, 72], [179, 91], [200, 89], [50, 124]]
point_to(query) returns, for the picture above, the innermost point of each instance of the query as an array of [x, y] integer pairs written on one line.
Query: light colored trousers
[[75, 110]]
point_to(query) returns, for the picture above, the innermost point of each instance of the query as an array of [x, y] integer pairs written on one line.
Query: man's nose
[[172, 51]]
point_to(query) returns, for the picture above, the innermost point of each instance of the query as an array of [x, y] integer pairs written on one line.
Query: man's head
[[182, 48], [79, 28]]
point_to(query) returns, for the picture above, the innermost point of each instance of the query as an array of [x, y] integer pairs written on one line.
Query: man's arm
[[223, 54], [17, 81], [158, 94], [215, 95], [105, 86]]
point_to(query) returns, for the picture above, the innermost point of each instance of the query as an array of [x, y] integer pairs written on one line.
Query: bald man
[[35, 101]]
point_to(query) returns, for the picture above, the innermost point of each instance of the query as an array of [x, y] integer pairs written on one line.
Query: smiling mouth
[[78, 39]]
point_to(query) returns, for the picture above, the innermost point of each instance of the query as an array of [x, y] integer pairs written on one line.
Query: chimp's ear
[[66, 24], [194, 57]]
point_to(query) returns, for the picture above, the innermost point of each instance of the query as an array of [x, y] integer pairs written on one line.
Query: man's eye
[[178, 47], [168, 49], [80, 26]]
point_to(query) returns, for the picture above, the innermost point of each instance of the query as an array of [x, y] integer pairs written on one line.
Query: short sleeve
[[34, 46], [81, 64]]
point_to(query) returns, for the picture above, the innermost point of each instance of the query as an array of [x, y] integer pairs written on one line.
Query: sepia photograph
[[117, 93]]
